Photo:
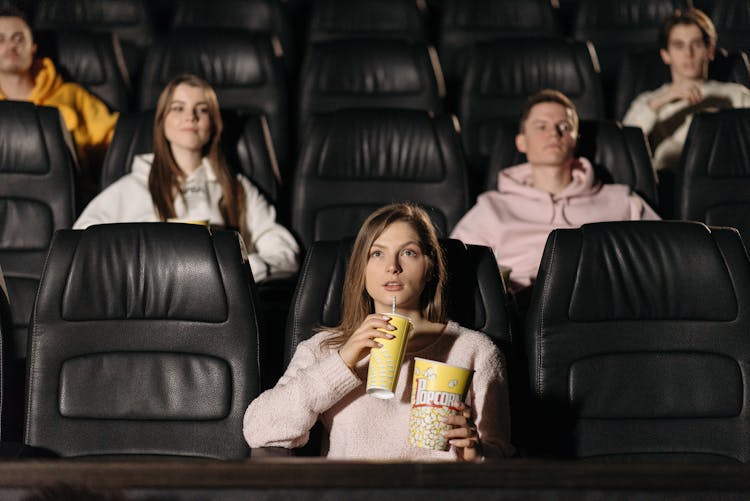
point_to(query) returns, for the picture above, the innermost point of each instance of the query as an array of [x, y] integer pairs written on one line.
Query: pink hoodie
[[516, 219]]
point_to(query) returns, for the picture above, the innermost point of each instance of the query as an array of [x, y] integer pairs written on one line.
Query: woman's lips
[[393, 286]]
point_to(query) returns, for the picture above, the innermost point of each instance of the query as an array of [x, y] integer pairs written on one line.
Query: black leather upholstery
[[332, 19], [241, 67], [261, 16], [619, 155], [732, 21], [144, 341], [637, 342], [713, 183], [246, 141], [362, 73], [354, 161], [476, 297], [130, 20], [36, 198], [645, 71], [501, 75], [11, 378], [93, 60], [466, 22], [621, 27]]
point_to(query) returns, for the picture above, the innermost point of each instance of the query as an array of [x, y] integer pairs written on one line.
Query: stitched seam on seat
[[545, 296], [298, 300]]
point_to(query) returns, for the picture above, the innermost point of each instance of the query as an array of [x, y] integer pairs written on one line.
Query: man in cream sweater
[[688, 41]]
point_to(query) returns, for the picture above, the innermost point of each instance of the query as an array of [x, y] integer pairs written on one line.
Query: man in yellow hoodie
[[23, 77]]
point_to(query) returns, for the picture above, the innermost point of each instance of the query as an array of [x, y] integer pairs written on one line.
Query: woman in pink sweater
[[396, 253]]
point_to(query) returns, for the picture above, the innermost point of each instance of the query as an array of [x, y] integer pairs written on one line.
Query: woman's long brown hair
[[357, 303], [164, 179]]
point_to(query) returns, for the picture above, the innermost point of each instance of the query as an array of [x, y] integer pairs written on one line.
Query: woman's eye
[[203, 111], [176, 108], [409, 252], [376, 253]]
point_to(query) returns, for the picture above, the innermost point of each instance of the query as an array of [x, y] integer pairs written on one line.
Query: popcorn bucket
[[436, 392]]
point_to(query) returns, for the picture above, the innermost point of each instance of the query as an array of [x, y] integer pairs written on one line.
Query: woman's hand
[[463, 436], [363, 339]]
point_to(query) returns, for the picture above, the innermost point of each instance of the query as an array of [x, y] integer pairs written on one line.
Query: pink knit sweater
[[318, 385]]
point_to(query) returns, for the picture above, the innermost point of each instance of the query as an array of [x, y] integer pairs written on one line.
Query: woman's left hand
[[463, 436]]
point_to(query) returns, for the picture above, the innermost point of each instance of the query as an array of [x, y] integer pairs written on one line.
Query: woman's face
[[187, 124], [396, 267]]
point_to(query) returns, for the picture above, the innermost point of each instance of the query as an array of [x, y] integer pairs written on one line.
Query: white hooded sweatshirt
[[272, 250]]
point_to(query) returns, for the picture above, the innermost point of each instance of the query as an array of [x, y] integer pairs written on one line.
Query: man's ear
[[521, 142], [665, 57]]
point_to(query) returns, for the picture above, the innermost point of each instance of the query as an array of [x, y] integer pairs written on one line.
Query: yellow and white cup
[[437, 390], [385, 362]]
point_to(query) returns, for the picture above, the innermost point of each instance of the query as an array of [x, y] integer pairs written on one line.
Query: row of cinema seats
[[249, 77], [352, 162], [373, 61], [145, 341]]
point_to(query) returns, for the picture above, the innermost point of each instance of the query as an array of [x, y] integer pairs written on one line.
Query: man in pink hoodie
[[554, 189]]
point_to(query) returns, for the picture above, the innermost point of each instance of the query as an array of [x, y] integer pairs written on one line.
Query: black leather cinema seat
[[93, 60], [501, 75], [129, 20], [246, 140], [637, 341], [36, 199], [645, 71], [732, 21], [334, 19], [241, 66], [713, 182], [259, 16], [354, 161], [464, 23], [144, 341], [619, 155], [368, 73]]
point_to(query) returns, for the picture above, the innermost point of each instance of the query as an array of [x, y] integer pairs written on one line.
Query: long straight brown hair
[[164, 179], [357, 303]]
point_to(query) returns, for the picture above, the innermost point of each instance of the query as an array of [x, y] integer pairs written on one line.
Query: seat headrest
[[231, 58], [181, 282], [535, 65], [640, 271], [332, 19], [379, 144], [382, 67], [23, 148]]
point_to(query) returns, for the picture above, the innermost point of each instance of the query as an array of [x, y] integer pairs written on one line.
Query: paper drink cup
[[385, 362], [436, 392]]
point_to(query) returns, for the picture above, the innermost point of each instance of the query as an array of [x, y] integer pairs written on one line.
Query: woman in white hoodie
[[187, 178]]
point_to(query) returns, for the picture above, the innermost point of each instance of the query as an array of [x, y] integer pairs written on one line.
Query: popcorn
[[437, 390]]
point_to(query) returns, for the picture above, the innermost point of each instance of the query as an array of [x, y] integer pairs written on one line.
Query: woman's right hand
[[363, 339]]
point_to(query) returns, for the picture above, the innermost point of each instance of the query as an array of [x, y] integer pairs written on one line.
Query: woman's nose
[[394, 267]]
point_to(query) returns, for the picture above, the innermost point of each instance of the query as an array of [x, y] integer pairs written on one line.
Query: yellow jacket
[[86, 117]]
